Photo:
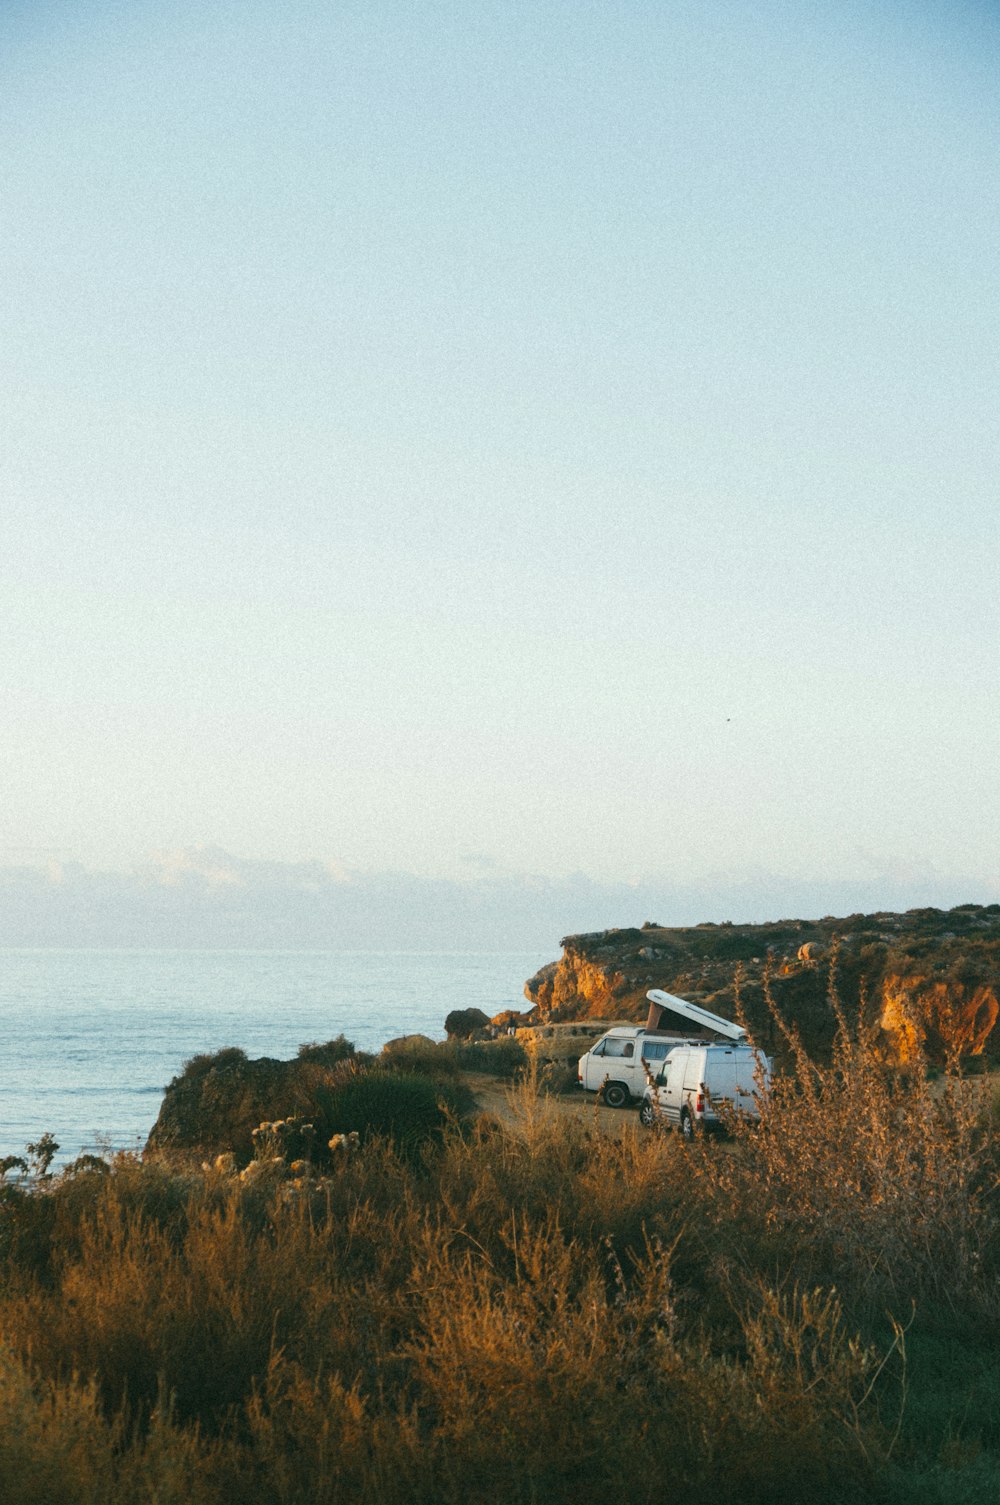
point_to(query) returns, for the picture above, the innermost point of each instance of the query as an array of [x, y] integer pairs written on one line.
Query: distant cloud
[[211, 867], [480, 860], [206, 897]]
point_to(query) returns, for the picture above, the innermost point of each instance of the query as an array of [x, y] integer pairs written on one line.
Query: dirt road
[[502, 1100]]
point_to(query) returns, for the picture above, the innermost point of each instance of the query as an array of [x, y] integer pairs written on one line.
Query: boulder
[[406, 1042], [463, 1024], [511, 1019]]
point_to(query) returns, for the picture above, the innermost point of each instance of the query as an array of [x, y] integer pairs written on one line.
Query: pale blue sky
[[533, 437]]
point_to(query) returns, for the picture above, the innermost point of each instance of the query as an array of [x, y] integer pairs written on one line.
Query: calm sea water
[[88, 1039]]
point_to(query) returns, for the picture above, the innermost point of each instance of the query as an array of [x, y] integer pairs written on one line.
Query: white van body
[[695, 1080], [622, 1062]]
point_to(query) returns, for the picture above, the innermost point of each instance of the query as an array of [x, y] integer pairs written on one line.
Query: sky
[[503, 448]]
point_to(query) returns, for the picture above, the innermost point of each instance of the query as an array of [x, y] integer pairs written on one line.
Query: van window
[[617, 1047], [598, 1050], [655, 1050]]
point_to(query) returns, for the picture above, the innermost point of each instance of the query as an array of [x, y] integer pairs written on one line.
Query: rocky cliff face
[[944, 1019], [926, 978]]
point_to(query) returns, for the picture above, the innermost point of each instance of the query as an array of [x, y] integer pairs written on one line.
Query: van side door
[[670, 1092], [654, 1053], [594, 1069]]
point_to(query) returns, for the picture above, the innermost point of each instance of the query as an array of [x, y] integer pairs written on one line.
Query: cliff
[[929, 976]]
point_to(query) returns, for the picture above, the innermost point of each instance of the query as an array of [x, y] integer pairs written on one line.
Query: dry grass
[[528, 1315], [882, 1184]]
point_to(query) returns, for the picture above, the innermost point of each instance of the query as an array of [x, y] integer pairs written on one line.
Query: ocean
[[91, 1038]]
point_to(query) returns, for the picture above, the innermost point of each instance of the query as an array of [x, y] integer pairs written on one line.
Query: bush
[[334, 1051], [865, 1178], [502, 1058], [438, 1059], [201, 1065], [402, 1106]]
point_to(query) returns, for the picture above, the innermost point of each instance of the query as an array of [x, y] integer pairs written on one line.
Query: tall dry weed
[[880, 1182]]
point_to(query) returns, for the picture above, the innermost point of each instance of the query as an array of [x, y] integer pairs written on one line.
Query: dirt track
[[500, 1099]]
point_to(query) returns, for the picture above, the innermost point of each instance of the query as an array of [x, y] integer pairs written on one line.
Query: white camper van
[[631, 1062], [694, 1082], [622, 1062]]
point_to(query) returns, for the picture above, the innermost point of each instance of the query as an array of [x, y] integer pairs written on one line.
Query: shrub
[[861, 1177], [438, 1059], [334, 1051], [200, 1065], [502, 1058], [41, 1155], [403, 1106], [290, 1138]]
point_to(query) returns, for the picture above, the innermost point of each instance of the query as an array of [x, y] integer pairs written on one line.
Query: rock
[[462, 1024], [405, 1042], [562, 1043], [510, 1019], [944, 1019], [538, 989]]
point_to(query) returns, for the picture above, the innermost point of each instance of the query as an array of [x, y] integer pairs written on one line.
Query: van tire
[[648, 1115], [616, 1095], [688, 1126]]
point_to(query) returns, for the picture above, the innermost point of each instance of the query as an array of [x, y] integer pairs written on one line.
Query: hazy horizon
[[209, 899]]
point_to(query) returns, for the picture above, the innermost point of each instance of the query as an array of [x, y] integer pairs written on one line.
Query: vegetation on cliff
[[927, 980], [217, 1102]]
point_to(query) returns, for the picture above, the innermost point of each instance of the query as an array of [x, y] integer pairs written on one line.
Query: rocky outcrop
[[464, 1024], [944, 1020], [599, 976], [218, 1102], [927, 978], [510, 1019]]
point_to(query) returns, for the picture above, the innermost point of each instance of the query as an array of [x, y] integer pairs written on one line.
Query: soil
[[502, 1101]]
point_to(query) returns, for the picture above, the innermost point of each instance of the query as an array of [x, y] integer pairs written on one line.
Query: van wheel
[[688, 1126], [647, 1115], [616, 1095]]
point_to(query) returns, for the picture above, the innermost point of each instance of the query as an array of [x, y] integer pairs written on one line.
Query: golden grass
[[522, 1316]]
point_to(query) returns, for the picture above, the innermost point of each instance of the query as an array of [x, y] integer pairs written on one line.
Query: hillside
[[930, 976]]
